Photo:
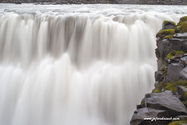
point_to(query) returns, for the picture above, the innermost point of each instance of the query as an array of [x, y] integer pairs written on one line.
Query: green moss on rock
[[182, 19], [180, 82], [156, 90], [168, 37], [169, 22], [183, 27], [169, 86], [143, 103], [181, 122], [166, 32], [174, 53], [175, 123]]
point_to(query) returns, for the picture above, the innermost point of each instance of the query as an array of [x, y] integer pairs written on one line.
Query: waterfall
[[76, 64]]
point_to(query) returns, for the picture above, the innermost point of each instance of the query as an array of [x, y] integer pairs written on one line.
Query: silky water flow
[[77, 64]]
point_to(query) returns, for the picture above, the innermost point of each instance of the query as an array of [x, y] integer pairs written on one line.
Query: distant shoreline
[[140, 2]]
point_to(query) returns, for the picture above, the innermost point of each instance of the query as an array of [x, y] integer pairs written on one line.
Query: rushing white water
[[77, 64]]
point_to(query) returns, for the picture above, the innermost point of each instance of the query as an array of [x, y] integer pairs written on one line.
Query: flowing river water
[[77, 64]]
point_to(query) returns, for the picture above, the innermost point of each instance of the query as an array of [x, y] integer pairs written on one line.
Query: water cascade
[[80, 65]]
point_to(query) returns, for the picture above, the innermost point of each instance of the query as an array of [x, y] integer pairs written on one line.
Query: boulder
[[181, 90], [140, 115], [183, 74], [174, 70], [165, 101], [168, 25]]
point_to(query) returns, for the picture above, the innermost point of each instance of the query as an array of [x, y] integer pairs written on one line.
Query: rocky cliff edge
[[167, 103]]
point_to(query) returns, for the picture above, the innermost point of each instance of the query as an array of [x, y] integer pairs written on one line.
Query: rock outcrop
[[170, 93]]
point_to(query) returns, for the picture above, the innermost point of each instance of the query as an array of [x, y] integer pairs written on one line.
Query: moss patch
[[156, 90], [180, 82], [182, 19], [168, 22], [168, 37], [174, 53], [181, 122], [143, 103], [166, 32], [178, 122], [169, 86], [183, 27], [172, 86], [175, 123]]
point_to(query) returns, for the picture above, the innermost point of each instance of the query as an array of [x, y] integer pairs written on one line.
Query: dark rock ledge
[[167, 104]]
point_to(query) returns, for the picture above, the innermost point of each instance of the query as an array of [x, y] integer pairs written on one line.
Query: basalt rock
[[140, 115], [165, 101], [174, 70]]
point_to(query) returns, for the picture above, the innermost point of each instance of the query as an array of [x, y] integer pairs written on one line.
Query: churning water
[[77, 64]]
